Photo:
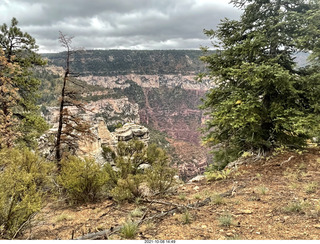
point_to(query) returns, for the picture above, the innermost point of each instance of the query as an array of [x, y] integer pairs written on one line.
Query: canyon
[[158, 91]]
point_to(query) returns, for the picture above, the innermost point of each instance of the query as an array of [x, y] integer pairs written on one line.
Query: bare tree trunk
[[66, 43]]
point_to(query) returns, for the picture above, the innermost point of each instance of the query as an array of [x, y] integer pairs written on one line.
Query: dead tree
[[71, 128]]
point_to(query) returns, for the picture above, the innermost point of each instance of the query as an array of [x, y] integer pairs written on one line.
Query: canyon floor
[[277, 199]]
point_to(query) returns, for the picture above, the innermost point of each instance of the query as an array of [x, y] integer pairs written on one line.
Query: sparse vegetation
[[311, 187], [197, 196], [63, 217], [186, 217], [216, 199], [137, 212], [225, 220], [217, 175], [182, 197], [294, 207], [262, 190], [129, 230]]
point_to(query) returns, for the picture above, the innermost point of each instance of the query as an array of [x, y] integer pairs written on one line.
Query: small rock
[[258, 233], [317, 226], [144, 166], [203, 226], [229, 234], [286, 217], [221, 230], [245, 211], [197, 178], [196, 188]]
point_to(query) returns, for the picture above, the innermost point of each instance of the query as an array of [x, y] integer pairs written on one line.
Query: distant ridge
[[122, 62]]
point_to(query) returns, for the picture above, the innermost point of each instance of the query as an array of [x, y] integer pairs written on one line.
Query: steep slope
[[273, 198]]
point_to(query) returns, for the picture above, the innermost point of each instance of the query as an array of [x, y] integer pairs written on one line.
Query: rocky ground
[[274, 198]]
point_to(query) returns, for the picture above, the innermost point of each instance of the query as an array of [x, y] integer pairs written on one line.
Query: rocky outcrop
[[131, 131], [101, 137]]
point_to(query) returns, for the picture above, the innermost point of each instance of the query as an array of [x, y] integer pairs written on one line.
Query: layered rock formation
[[101, 137], [112, 110], [187, 82], [155, 88]]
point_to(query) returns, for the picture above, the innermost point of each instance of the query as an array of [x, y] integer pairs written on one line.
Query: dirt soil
[[277, 199]]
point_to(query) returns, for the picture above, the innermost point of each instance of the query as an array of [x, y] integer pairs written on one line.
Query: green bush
[[24, 180], [108, 154], [127, 188], [128, 179], [160, 176], [82, 179]]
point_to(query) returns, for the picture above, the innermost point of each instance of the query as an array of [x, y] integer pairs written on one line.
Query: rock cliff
[[101, 137]]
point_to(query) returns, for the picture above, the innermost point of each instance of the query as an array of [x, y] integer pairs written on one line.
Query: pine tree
[[262, 100], [71, 128], [8, 100], [20, 50]]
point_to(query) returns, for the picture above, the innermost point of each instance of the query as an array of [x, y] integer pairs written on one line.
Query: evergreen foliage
[[160, 176], [128, 180], [262, 100], [20, 50], [9, 98]]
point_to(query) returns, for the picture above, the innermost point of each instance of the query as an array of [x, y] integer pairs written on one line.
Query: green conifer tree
[[262, 100], [20, 49]]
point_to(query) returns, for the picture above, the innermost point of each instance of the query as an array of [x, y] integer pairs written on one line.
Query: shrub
[[82, 179], [294, 207], [160, 176], [108, 154], [128, 179], [128, 188], [24, 180]]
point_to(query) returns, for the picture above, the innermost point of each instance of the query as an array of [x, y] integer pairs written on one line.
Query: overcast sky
[[118, 24]]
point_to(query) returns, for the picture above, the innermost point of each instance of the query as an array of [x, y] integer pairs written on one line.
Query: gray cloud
[[118, 24]]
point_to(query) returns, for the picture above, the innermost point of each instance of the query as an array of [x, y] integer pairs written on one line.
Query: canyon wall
[[154, 88]]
